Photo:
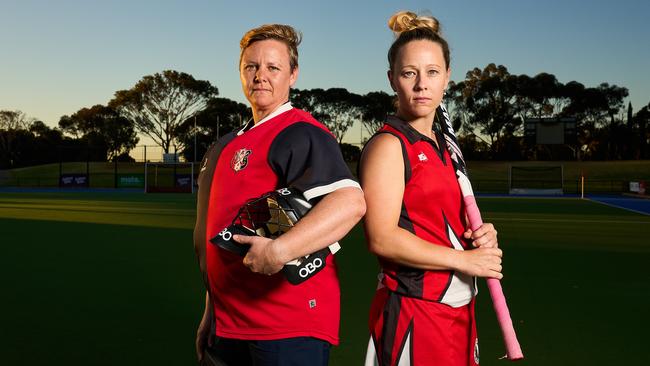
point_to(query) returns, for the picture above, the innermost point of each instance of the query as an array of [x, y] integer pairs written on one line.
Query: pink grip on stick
[[513, 350]]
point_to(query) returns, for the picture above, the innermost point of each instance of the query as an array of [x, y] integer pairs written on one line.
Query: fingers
[[494, 267], [200, 345], [264, 270], [497, 271], [485, 236], [483, 262], [258, 264], [250, 258], [249, 262], [484, 229], [243, 239], [251, 240], [496, 275], [261, 257]]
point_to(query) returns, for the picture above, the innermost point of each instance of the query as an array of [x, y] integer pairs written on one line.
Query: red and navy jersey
[[287, 149], [432, 209]]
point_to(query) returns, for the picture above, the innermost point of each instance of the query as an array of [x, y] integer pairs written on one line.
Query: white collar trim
[[281, 109]]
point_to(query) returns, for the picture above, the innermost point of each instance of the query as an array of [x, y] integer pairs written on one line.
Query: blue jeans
[[300, 351]]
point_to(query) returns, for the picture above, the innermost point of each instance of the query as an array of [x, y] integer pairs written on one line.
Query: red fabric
[[252, 306], [432, 198], [439, 334]]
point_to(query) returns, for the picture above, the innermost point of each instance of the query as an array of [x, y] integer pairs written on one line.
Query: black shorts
[[280, 352]]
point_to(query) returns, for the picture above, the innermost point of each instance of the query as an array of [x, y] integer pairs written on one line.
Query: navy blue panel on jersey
[[307, 157]]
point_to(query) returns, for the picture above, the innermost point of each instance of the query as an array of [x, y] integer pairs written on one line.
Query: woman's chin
[[420, 111], [262, 102]]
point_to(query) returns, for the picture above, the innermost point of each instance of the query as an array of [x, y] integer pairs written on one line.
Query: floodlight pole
[[360, 130]]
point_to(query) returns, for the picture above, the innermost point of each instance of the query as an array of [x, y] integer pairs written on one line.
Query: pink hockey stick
[[513, 350]]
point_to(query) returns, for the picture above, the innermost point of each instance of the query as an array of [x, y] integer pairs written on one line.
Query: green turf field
[[111, 279]]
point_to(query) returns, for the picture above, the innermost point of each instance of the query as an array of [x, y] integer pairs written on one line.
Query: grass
[[111, 279], [101, 280], [601, 170], [600, 176]]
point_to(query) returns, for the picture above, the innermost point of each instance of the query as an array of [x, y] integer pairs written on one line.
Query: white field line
[[488, 218], [616, 206]]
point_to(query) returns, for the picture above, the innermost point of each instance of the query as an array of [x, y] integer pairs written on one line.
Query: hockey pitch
[[111, 279]]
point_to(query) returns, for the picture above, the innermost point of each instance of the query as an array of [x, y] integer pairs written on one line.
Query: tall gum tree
[[158, 104]]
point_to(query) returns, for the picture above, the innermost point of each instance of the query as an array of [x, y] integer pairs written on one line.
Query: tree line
[[488, 109], [491, 105]]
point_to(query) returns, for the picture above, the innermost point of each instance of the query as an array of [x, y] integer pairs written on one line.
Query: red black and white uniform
[[287, 148], [425, 317]]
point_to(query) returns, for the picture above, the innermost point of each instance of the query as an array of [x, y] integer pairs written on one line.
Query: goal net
[[539, 180], [168, 177]]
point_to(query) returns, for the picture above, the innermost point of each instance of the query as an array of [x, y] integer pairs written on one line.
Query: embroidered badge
[[422, 157], [240, 159], [312, 303]]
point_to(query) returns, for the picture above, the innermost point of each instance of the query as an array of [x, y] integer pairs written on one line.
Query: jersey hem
[[273, 336], [453, 304]]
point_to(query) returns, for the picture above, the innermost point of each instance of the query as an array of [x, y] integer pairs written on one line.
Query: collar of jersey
[[278, 111], [412, 135]]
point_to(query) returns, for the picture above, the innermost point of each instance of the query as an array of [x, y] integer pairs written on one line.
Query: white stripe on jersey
[[323, 190], [371, 354], [404, 359], [462, 287]]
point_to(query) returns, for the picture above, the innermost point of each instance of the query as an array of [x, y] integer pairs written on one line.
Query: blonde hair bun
[[404, 21]]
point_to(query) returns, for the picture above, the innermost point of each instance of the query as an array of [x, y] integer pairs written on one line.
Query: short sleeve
[[308, 158]]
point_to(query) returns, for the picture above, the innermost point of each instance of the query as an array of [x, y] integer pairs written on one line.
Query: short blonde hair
[[281, 32]]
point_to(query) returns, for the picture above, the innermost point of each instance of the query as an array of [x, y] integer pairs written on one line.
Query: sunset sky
[[59, 56]]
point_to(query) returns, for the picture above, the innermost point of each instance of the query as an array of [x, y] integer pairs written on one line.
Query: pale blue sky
[[59, 56]]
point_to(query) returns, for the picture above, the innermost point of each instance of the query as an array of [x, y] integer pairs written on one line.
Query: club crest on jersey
[[240, 159], [422, 157]]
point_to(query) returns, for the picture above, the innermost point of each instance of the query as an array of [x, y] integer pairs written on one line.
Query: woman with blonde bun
[[423, 310]]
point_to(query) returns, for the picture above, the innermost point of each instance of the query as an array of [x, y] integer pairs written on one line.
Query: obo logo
[[225, 234], [284, 191], [310, 267]]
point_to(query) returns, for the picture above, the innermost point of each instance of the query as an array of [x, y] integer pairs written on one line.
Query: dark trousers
[[300, 351]]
